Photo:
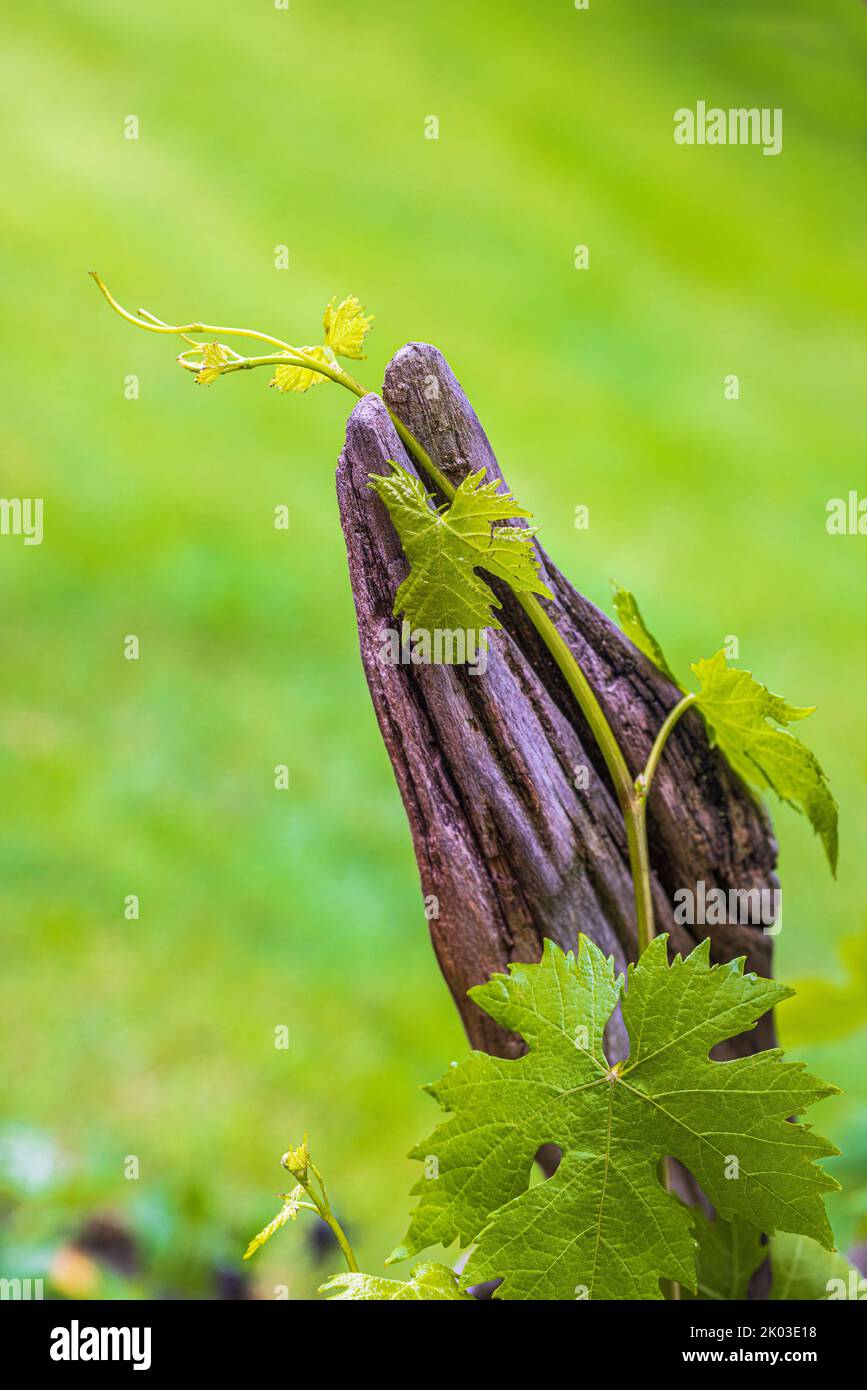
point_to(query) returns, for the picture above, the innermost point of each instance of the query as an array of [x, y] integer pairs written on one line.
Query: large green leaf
[[442, 591], [604, 1226]]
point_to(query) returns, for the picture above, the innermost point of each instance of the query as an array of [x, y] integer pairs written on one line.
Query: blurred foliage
[[600, 387], [826, 1008]]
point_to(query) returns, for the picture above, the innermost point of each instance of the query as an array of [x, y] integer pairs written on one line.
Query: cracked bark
[[486, 764]]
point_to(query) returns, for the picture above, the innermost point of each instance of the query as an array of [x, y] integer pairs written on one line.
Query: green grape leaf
[[292, 378], [215, 356], [442, 591], [632, 623], [604, 1226], [728, 1255], [427, 1282], [801, 1269], [742, 718], [346, 327], [288, 1212], [740, 715], [729, 1252]]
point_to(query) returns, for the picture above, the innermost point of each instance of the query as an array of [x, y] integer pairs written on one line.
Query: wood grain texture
[[486, 764]]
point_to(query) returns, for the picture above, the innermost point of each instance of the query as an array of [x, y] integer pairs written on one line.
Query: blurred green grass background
[[261, 127]]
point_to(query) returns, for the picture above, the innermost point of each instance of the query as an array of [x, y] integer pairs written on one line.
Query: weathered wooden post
[[512, 850]]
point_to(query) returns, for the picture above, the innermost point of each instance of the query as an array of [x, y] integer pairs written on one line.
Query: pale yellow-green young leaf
[[214, 356], [740, 714], [630, 619], [292, 378], [295, 1160], [346, 327], [287, 1212]]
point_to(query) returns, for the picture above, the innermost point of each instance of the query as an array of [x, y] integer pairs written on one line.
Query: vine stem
[[644, 779], [323, 1207], [336, 1227], [632, 805], [210, 330]]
